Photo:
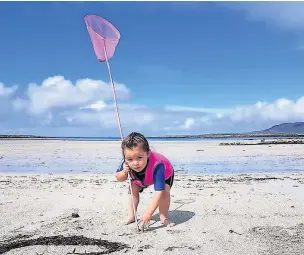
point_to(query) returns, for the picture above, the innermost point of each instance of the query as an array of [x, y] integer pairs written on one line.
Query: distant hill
[[284, 128]]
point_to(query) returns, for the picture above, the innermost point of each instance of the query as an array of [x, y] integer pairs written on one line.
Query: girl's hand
[[126, 168], [145, 220]]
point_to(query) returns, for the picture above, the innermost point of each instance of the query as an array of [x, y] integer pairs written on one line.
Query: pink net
[[104, 36]]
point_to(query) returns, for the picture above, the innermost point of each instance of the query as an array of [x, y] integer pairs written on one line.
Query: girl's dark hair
[[133, 140]]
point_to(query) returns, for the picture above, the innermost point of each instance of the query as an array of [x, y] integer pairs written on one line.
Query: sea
[[80, 138]]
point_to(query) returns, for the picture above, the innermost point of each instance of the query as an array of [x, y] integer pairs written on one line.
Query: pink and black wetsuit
[[157, 172]]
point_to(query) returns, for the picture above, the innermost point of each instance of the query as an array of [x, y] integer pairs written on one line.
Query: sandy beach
[[84, 212]]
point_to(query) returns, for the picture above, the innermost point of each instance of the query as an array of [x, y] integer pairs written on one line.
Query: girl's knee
[[135, 189], [167, 188]]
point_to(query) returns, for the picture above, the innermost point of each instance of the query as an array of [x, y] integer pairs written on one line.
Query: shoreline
[[264, 142]]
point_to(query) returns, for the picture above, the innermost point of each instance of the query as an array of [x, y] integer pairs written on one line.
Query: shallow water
[[226, 167], [109, 165]]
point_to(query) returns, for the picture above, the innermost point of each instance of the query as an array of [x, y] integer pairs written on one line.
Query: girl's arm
[[122, 173], [159, 187], [154, 203], [121, 176]]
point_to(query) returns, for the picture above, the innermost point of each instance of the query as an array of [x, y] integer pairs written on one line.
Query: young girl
[[146, 168]]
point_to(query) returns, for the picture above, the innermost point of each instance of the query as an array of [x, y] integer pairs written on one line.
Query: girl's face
[[136, 158]]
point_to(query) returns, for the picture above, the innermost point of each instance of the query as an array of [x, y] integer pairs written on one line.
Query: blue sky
[[179, 68]]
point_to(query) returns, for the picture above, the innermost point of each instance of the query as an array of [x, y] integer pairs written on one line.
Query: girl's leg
[[164, 205], [135, 191]]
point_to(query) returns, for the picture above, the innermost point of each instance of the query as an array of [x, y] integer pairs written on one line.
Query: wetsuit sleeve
[[159, 178], [120, 167]]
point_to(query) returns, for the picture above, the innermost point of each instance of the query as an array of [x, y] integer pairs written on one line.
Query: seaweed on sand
[[15, 243]]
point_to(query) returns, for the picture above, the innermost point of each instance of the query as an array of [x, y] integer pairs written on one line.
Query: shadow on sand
[[177, 216]]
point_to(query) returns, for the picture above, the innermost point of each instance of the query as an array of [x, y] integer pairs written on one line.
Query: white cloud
[[87, 107], [7, 91], [189, 122], [281, 109], [130, 115], [99, 105], [185, 125], [19, 104], [175, 108], [56, 92], [263, 114]]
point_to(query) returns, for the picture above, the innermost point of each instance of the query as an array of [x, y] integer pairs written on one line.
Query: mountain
[[296, 127]]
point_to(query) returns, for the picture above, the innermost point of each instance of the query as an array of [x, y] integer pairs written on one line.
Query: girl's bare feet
[[131, 219], [167, 222]]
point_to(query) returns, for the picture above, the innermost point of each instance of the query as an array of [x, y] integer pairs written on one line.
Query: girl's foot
[[131, 220], [167, 222]]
